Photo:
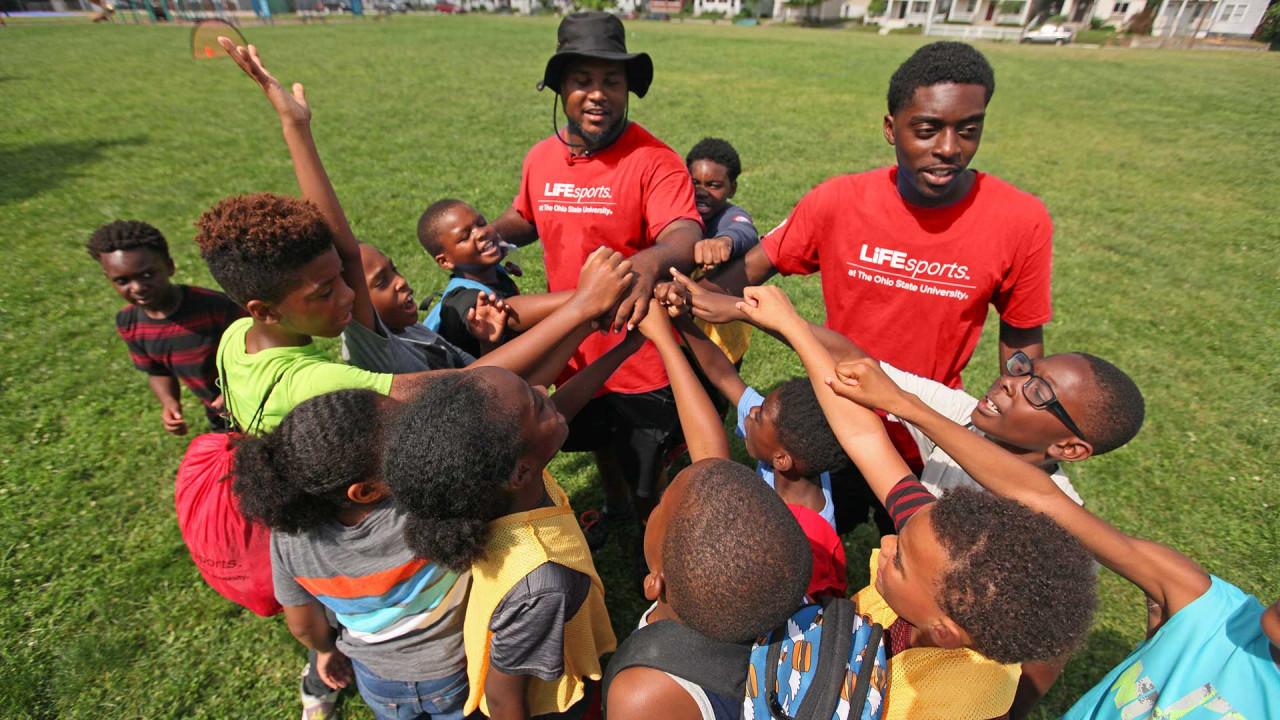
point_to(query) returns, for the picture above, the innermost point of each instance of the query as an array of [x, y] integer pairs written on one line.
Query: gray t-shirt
[[735, 223], [399, 615], [414, 349], [528, 625]]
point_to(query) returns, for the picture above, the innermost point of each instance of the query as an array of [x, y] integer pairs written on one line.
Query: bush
[[1057, 19], [876, 8], [1009, 7]]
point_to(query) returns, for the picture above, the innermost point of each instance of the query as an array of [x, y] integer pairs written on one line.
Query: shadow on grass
[[33, 169]]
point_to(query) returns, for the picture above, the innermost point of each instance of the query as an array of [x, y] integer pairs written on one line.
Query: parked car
[[1049, 33], [449, 8]]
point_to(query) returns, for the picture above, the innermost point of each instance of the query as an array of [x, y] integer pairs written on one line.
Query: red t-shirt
[[911, 285], [622, 197], [829, 565]]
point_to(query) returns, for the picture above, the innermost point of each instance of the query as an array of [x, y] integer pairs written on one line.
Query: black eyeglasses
[[1038, 392]]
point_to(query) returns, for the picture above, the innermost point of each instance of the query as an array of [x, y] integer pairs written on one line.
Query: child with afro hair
[[972, 585], [466, 463], [338, 547]]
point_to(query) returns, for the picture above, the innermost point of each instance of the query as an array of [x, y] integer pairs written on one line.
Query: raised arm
[[716, 307], [1168, 577], [749, 270], [540, 353], [715, 366], [673, 248], [860, 431], [313, 181], [702, 426]]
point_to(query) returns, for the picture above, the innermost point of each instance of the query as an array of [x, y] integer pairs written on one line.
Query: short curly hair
[[1021, 586], [448, 459], [717, 151], [803, 430], [1115, 409], [940, 63], [255, 244], [295, 477], [127, 235], [728, 584], [428, 233]]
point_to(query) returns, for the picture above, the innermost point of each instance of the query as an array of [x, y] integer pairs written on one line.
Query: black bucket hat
[[596, 35]]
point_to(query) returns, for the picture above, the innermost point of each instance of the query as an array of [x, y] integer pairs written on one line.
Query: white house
[[728, 8], [1202, 18], [827, 10], [989, 12], [853, 9]]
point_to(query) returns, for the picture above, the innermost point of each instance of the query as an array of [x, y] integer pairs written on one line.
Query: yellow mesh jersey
[[733, 338], [517, 545], [930, 683]]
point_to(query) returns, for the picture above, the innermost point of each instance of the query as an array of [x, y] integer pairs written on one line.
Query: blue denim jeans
[[440, 699]]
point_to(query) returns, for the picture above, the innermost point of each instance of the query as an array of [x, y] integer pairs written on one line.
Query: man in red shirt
[[912, 255], [602, 180]]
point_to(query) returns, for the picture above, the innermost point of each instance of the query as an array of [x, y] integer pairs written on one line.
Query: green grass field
[[1159, 169]]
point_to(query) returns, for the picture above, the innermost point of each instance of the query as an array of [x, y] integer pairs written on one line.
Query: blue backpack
[[432, 320], [826, 662]]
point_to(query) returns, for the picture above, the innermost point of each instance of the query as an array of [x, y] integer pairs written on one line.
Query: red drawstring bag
[[232, 553]]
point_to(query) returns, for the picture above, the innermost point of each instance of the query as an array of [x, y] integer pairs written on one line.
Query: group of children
[[422, 551]]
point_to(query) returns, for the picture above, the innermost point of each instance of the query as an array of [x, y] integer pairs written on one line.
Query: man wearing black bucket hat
[[601, 179]]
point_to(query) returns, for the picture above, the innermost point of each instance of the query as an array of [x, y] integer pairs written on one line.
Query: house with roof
[[1208, 18]]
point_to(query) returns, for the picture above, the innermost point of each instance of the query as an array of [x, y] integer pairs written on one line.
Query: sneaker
[[317, 707]]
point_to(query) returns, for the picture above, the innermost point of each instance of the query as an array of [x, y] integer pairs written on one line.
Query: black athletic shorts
[[641, 429]]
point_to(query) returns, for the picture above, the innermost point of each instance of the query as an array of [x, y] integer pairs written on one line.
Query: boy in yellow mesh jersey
[[466, 462]]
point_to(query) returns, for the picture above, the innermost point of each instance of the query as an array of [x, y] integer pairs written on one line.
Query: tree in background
[[1269, 29]]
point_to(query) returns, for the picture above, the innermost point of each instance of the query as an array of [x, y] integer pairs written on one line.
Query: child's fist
[[711, 252], [604, 279], [865, 382], [768, 307]]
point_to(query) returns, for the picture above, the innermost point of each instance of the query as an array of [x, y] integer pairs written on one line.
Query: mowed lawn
[[1158, 167]]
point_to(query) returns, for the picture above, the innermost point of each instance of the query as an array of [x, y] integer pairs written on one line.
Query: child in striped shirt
[[338, 551]]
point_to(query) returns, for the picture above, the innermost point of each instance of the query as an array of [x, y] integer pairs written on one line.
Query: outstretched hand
[[769, 308], [655, 325], [487, 321], [290, 106], [706, 304], [605, 278], [863, 381], [711, 252]]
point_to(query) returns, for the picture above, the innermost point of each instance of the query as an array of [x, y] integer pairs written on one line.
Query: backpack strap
[[432, 320], [675, 648], [226, 401]]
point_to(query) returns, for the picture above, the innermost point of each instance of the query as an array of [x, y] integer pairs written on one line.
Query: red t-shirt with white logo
[[622, 197], [911, 285]]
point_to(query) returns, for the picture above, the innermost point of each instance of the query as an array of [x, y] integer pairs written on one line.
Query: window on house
[[973, 5], [919, 7], [1120, 8]]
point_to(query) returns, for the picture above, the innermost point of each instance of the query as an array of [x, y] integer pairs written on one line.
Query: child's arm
[[309, 626], [169, 393], [295, 120], [505, 695], [578, 390], [703, 429], [1168, 577], [722, 374], [539, 354], [711, 306], [860, 431], [525, 311]]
